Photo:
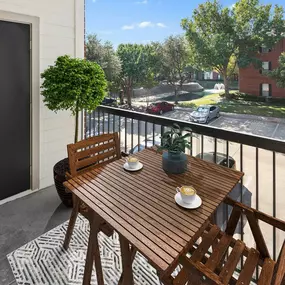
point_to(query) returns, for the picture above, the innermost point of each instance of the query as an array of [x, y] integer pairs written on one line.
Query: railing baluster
[[202, 146], [191, 142], [132, 134], [83, 135], [228, 165], [85, 124], [126, 138], [90, 125], [120, 137], [241, 198], [215, 150], [274, 204], [139, 134], [114, 128], [103, 121], [145, 134], [153, 132], [94, 122], [257, 193], [99, 122], [161, 130], [108, 123]]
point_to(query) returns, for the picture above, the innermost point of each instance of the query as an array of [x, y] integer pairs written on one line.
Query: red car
[[159, 108]]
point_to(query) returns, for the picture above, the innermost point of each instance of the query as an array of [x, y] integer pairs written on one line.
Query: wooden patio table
[[140, 207]]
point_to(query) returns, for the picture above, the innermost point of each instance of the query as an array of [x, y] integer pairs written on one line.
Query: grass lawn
[[240, 105]]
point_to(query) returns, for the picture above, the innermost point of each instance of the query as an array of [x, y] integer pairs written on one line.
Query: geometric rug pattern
[[43, 261]]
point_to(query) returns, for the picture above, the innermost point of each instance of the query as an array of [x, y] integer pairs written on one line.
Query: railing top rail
[[242, 138]]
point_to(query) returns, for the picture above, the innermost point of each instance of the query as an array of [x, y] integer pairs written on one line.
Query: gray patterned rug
[[43, 261]]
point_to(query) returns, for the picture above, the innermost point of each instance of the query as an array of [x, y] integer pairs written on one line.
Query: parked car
[[160, 107], [109, 101], [239, 191], [147, 143], [205, 113]]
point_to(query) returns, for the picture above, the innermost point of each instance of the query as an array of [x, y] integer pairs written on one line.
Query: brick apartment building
[[252, 81]]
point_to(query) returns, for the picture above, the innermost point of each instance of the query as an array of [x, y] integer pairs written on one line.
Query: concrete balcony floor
[[25, 219]]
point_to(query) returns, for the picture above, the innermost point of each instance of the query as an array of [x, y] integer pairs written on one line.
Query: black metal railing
[[261, 159]]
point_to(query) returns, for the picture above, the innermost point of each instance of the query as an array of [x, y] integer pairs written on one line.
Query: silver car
[[205, 113]]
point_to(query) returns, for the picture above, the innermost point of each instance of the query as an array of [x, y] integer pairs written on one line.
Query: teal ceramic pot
[[174, 162]]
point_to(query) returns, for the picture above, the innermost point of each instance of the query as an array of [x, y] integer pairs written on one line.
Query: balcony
[[261, 159]]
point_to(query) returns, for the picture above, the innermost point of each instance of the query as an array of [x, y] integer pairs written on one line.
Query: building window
[[264, 49], [207, 75], [265, 90], [266, 66]]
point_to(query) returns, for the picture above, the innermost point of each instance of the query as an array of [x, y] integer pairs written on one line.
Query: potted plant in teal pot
[[174, 142], [75, 85]]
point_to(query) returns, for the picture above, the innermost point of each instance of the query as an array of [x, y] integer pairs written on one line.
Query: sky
[[140, 21]]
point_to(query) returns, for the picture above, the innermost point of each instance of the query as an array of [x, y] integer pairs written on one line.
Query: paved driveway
[[251, 126]]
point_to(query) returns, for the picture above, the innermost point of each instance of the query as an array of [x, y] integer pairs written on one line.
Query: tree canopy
[[218, 35], [279, 73], [104, 54], [73, 84], [175, 61], [139, 64]]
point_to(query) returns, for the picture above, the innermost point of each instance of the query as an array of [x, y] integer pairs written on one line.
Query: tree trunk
[[176, 95], [129, 95], [121, 96], [227, 89]]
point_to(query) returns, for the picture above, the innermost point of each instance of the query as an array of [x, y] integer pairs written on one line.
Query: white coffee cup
[[188, 193], [132, 162]]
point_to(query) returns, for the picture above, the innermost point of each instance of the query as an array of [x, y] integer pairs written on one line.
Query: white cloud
[[128, 27], [94, 1], [143, 25], [161, 25], [142, 2]]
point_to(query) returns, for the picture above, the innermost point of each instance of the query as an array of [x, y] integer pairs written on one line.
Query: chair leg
[[71, 223]]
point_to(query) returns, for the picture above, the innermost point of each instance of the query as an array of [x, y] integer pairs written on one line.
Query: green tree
[[217, 34], [104, 54], [73, 84], [136, 67], [278, 74], [175, 62]]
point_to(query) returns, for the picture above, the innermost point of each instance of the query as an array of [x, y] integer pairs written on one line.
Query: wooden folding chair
[[215, 259], [84, 156]]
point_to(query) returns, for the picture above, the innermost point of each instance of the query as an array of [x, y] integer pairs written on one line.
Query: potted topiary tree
[[72, 84], [174, 160]]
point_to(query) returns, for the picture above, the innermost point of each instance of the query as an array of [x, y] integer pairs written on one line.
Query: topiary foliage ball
[[73, 84]]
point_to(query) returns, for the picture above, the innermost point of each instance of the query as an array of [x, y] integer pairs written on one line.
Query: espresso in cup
[[187, 193], [132, 162]]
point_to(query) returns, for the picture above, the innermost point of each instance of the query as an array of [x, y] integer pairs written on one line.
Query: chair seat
[[215, 257]]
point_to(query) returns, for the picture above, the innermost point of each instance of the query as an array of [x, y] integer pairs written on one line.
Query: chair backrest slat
[[92, 152]]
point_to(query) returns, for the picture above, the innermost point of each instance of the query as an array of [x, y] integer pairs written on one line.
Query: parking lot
[[261, 127]]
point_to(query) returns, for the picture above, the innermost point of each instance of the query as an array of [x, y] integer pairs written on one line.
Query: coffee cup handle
[[178, 189]]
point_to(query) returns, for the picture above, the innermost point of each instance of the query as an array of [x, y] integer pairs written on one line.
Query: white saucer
[[194, 205], [139, 167]]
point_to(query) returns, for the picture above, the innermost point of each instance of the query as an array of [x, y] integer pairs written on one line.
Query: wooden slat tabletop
[[140, 205]]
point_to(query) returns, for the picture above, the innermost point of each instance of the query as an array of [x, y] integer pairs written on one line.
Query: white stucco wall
[[61, 30]]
